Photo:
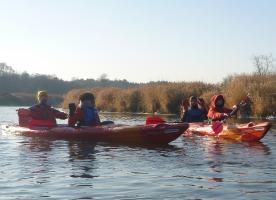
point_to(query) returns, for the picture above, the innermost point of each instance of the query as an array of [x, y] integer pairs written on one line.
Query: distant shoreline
[[25, 99]]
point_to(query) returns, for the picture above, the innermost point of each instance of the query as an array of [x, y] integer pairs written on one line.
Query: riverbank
[[25, 99]]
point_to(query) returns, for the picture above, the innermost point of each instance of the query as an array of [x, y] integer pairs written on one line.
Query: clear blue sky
[[137, 40]]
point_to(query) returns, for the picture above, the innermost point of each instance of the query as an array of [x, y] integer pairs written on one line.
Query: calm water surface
[[189, 168]]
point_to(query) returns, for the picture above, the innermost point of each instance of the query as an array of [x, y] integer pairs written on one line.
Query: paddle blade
[[217, 127]]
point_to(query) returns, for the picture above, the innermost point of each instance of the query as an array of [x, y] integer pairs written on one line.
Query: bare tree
[[103, 77], [5, 69], [264, 64]]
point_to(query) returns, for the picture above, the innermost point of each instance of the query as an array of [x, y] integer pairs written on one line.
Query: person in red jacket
[[217, 110], [155, 119], [85, 114], [42, 114]]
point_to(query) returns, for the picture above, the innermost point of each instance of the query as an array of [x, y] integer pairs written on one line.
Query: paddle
[[72, 108], [217, 126], [242, 103]]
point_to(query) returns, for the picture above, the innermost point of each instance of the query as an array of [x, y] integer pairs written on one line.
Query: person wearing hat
[[85, 114], [196, 112], [43, 114]]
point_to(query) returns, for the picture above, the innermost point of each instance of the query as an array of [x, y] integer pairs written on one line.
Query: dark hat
[[87, 96], [192, 98]]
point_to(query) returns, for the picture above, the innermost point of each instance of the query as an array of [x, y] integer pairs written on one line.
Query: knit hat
[[42, 93]]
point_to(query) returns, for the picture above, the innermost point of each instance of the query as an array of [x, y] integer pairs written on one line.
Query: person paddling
[[217, 111], [196, 112], [85, 114], [42, 114]]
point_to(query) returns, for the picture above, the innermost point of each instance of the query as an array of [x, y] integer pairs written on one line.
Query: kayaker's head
[[42, 97], [219, 102], [87, 99], [193, 102]]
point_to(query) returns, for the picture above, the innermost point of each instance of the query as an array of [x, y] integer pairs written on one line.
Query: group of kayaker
[[197, 110], [42, 114], [85, 114]]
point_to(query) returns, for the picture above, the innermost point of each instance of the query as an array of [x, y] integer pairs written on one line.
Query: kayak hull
[[250, 132], [136, 134]]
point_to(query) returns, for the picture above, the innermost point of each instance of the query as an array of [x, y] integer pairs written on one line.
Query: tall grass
[[262, 90], [167, 97]]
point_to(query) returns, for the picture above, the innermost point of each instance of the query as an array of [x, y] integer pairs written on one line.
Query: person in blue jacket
[[85, 114], [196, 112]]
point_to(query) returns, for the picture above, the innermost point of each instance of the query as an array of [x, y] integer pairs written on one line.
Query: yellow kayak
[[249, 132]]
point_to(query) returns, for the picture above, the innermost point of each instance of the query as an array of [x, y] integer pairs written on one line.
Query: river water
[[194, 167]]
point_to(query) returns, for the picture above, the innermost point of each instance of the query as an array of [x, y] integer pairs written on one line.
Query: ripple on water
[[189, 168]]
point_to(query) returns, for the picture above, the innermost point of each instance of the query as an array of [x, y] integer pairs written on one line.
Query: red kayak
[[137, 134], [241, 132]]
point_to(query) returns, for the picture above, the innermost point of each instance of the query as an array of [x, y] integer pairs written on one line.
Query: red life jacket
[[25, 120], [23, 117], [41, 123], [155, 120]]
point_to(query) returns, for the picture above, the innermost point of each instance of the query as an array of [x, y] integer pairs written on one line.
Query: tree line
[[20, 88], [13, 82]]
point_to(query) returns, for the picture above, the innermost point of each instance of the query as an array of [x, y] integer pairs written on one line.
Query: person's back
[[90, 116], [86, 114], [217, 110], [194, 113]]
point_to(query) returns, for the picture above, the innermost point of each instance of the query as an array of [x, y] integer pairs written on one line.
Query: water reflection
[[82, 157], [79, 150], [38, 144], [166, 147], [37, 166], [221, 156], [259, 147], [214, 154]]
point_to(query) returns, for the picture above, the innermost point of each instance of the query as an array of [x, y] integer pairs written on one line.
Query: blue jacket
[[194, 115], [86, 116]]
